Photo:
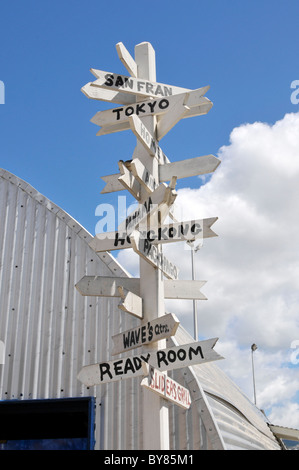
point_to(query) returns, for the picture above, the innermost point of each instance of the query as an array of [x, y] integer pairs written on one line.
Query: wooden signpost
[[149, 109]]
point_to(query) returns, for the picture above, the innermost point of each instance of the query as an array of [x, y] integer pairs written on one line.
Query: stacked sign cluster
[[145, 229]]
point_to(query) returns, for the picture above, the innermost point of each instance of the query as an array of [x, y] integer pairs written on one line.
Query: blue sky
[[247, 51]]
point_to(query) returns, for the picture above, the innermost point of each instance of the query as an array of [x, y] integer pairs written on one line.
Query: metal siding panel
[[50, 331]]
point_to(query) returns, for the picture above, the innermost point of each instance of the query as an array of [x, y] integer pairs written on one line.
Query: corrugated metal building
[[49, 332]]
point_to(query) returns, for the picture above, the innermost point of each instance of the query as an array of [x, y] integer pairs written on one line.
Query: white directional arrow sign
[[162, 196], [127, 59], [152, 255], [143, 175], [105, 286], [161, 359], [187, 112], [156, 107], [148, 332], [160, 383], [168, 233], [128, 180], [134, 85], [131, 303], [181, 169], [147, 140], [102, 94]]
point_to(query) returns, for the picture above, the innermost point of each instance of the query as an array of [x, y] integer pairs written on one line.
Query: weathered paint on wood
[[189, 167], [127, 59], [162, 359], [105, 286], [181, 169], [146, 333], [166, 233], [147, 140], [130, 303], [163, 195], [157, 107], [137, 86], [104, 94], [158, 382], [152, 255], [128, 180]]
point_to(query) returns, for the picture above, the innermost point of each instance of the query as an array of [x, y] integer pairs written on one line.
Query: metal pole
[[195, 323], [253, 348], [195, 319]]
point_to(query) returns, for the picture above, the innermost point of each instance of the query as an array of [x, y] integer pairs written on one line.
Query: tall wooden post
[[155, 420]]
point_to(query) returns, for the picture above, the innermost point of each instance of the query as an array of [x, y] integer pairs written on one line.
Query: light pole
[[194, 250], [253, 348]]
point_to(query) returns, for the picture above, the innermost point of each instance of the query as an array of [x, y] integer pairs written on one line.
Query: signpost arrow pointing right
[[105, 286], [182, 169], [161, 359]]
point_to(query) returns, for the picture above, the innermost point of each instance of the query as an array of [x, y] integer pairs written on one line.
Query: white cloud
[[252, 268]]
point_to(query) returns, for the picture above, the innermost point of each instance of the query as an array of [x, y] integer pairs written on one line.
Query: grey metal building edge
[[50, 332]]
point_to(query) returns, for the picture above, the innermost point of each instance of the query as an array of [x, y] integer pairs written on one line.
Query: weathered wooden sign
[[146, 333], [147, 140], [105, 286], [199, 110], [133, 85], [129, 181], [181, 169], [103, 94], [157, 107], [162, 359], [153, 255], [163, 195], [131, 303], [127, 59], [167, 233], [166, 387]]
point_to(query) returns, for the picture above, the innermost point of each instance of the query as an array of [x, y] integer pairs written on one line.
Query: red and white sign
[[160, 383]]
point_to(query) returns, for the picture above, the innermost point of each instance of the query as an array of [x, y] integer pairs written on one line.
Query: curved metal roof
[[50, 331]]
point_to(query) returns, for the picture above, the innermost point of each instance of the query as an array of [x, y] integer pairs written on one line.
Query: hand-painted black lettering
[[128, 83], [129, 111], [109, 79], [161, 357], [118, 240], [150, 332], [152, 106], [195, 352], [119, 81], [159, 90], [118, 367], [117, 111], [140, 108], [129, 366], [140, 86], [105, 369], [143, 334], [163, 104], [126, 340], [149, 88], [196, 228]]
